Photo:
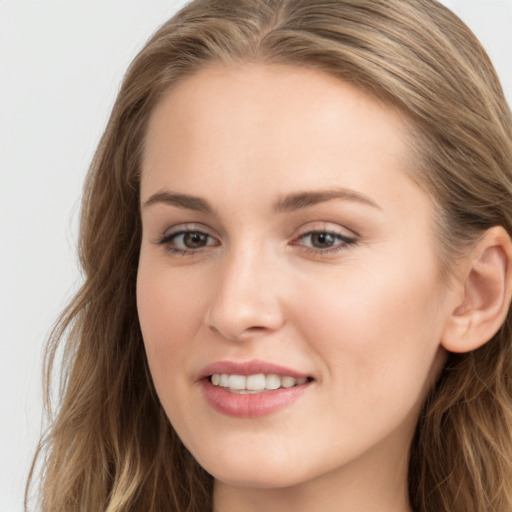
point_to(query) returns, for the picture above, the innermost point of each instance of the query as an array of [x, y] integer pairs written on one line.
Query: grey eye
[[187, 241], [321, 240], [325, 241], [192, 239]]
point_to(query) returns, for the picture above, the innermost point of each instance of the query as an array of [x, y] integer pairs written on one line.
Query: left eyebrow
[[302, 200]]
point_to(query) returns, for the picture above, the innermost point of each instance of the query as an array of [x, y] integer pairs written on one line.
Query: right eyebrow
[[180, 200]]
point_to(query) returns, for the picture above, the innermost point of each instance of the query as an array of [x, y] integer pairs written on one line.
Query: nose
[[246, 300]]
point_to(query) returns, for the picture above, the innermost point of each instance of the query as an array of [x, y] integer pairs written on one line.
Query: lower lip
[[252, 405]]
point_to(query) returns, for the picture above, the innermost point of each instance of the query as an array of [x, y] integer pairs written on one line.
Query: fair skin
[[341, 284]]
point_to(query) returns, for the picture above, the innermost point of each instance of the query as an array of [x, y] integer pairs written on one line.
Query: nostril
[[214, 329], [245, 333], [256, 329]]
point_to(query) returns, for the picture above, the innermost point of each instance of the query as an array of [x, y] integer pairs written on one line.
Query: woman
[[296, 241]]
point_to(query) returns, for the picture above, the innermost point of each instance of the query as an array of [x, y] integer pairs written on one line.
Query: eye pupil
[[322, 239], [194, 240]]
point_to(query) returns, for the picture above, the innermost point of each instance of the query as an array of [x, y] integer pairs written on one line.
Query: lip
[[254, 405]]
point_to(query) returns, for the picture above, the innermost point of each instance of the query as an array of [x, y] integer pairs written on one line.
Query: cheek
[[378, 331], [170, 313]]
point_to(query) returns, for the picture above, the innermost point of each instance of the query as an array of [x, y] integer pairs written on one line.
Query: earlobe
[[486, 289]]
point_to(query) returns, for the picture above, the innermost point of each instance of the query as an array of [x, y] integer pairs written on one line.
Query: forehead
[[255, 123]]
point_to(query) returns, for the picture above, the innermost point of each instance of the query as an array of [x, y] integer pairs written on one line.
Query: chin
[[259, 478], [265, 472]]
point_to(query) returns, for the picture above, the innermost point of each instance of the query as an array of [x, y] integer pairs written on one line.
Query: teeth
[[236, 382], [255, 383], [273, 382], [287, 382]]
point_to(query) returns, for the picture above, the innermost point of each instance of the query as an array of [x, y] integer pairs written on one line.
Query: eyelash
[[168, 239], [343, 242]]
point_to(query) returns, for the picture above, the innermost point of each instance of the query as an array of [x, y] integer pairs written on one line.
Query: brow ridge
[[181, 200], [289, 203], [302, 200]]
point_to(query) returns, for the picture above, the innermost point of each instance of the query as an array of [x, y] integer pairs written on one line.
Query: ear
[[484, 286]]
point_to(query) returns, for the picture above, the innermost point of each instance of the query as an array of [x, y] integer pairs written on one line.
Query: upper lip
[[249, 368]]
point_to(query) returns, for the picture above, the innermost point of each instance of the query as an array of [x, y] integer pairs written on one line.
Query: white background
[[61, 63]]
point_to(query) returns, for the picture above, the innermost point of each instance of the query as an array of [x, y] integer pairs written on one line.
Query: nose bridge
[[246, 297]]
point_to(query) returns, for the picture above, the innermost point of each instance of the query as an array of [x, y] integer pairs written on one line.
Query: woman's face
[[289, 293]]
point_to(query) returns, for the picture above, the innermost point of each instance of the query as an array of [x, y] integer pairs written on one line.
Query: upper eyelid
[[168, 242], [344, 240], [305, 229], [188, 227], [167, 236], [326, 227], [326, 231]]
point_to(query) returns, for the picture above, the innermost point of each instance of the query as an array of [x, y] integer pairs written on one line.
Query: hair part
[[110, 446]]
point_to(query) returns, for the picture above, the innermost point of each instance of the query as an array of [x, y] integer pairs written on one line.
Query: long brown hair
[[109, 446]]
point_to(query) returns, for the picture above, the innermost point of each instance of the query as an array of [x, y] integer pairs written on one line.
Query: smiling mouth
[[252, 389], [256, 383]]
